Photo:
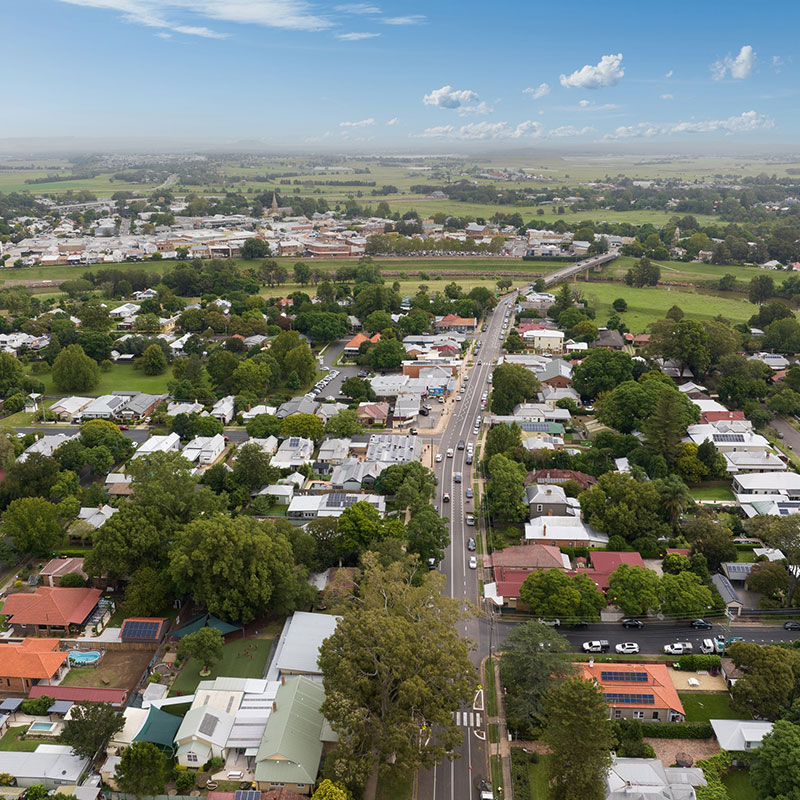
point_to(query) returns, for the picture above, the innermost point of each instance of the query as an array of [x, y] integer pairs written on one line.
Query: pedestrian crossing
[[469, 719]]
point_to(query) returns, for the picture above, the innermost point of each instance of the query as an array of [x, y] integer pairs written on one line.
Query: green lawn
[[538, 779], [489, 690], [119, 377], [701, 707], [737, 782], [396, 787], [496, 763], [712, 493], [695, 271], [241, 658], [12, 740]]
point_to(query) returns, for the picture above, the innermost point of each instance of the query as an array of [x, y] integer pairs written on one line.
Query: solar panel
[[246, 794], [633, 699], [535, 427], [629, 677], [208, 724], [728, 437], [743, 569], [140, 629]]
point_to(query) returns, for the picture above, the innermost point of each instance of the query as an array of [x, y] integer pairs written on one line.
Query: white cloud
[[606, 73], [584, 103], [739, 68], [479, 108], [393, 121], [484, 130], [448, 97], [163, 35], [669, 74], [358, 8], [746, 121], [777, 63], [355, 37], [570, 130], [287, 14], [667, 96], [540, 91], [362, 123], [410, 19]]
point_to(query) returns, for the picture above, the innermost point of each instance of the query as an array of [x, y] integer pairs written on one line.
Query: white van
[[707, 646], [449, 452]]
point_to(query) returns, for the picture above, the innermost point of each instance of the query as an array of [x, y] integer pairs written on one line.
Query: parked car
[[678, 648], [580, 624], [470, 519], [414, 431], [627, 648], [470, 544], [438, 457], [791, 626], [469, 494], [473, 562], [458, 398], [457, 477], [630, 622], [446, 497], [468, 459], [551, 623], [598, 646], [431, 563], [461, 444], [701, 624], [707, 646]]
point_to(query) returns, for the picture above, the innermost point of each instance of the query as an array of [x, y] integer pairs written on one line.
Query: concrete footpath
[[503, 747]]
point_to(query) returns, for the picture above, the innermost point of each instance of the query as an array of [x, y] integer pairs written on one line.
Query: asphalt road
[[457, 779], [791, 437]]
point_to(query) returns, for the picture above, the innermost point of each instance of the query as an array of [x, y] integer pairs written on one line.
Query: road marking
[[468, 719]]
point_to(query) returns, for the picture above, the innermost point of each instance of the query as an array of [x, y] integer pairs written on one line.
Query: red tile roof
[[604, 563], [52, 606], [528, 556], [359, 339], [32, 658], [454, 321], [720, 416], [81, 693], [658, 683]]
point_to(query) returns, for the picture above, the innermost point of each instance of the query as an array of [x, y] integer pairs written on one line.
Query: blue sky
[[432, 75]]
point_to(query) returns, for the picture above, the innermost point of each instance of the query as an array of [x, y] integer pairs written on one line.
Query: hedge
[[520, 774], [701, 661], [677, 730]]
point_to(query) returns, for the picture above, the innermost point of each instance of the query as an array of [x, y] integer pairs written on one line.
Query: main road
[[455, 780]]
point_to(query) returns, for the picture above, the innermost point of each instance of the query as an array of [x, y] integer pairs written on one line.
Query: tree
[[531, 665], [761, 288], [72, 580], [665, 427], [360, 526], [302, 273], [344, 424], [634, 589], [252, 468], [146, 593], [255, 248], [74, 371], [782, 533], [711, 538], [578, 733], [504, 490], [776, 772], [239, 569], [769, 579], [96, 345], [620, 305], [783, 335], [684, 595], [601, 371], [643, 273], [32, 525], [685, 341], [553, 593], [154, 362], [357, 389], [104, 433], [143, 770], [674, 563], [90, 727], [502, 439], [387, 354], [301, 361], [427, 534], [675, 496], [377, 321], [251, 377], [204, 645], [770, 680], [263, 425], [11, 373], [394, 671], [512, 384], [328, 790], [308, 426]]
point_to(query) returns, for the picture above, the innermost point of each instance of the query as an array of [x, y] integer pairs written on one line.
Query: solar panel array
[[140, 629], [735, 568], [632, 699], [208, 724], [339, 500], [535, 427], [246, 794], [629, 677], [728, 437]]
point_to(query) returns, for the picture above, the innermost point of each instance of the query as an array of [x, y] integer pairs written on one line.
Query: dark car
[[791, 626], [702, 624], [461, 445], [629, 622], [362, 373], [581, 624]]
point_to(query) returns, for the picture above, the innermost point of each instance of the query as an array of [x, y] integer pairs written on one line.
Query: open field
[[648, 304], [117, 669], [120, 376], [692, 271], [701, 707]]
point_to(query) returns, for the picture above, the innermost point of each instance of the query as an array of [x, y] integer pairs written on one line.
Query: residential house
[[556, 373], [785, 485], [567, 531], [124, 311], [203, 734], [550, 341], [118, 484], [560, 476], [173, 409], [46, 445], [327, 411], [333, 452], [291, 750], [739, 735], [452, 322], [293, 452], [257, 410], [68, 408], [353, 347], [609, 339], [675, 369], [282, 492], [297, 405], [636, 691], [55, 569], [224, 410], [145, 294], [204, 450], [106, 406], [297, 650], [169, 443], [268, 444], [733, 603], [774, 361], [373, 413], [762, 461], [548, 500], [50, 765], [29, 662], [353, 475], [421, 366], [312, 506], [50, 610], [604, 563], [141, 405], [512, 565], [97, 516], [643, 778], [177, 346], [552, 395]]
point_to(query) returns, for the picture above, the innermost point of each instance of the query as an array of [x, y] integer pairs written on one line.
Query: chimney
[[544, 531], [591, 662], [283, 680], [274, 706]]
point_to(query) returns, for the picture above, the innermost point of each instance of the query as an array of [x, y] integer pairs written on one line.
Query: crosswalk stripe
[[468, 719]]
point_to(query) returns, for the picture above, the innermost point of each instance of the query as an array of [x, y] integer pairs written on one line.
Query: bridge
[[579, 266]]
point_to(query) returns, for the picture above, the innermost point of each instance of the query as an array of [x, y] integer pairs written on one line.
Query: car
[[449, 452], [440, 400], [678, 648], [423, 412], [597, 646], [475, 431], [330, 398], [470, 519], [431, 563], [791, 626], [627, 648], [479, 362], [414, 431], [459, 398], [438, 458], [580, 624], [362, 373], [471, 544], [733, 640], [473, 562], [630, 622], [468, 459], [462, 389], [469, 494], [461, 444], [446, 497], [701, 624], [707, 646], [551, 623], [123, 427], [457, 477]]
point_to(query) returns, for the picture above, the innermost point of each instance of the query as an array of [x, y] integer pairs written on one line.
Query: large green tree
[[502, 439], [428, 534], [74, 371], [770, 680], [154, 362], [552, 593], [344, 424], [394, 671], [775, 774], [11, 373], [512, 384], [308, 426], [579, 735], [33, 526], [684, 595], [90, 727], [361, 526], [205, 646], [601, 371], [634, 589], [143, 770], [666, 426], [711, 538], [782, 533], [504, 491]]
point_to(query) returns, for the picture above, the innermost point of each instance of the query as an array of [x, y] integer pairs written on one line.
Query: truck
[[597, 646]]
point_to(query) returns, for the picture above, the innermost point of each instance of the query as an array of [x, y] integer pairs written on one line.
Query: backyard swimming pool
[[88, 657], [42, 727]]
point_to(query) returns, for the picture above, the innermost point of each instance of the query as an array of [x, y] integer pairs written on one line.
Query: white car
[[628, 648], [438, 458], [458, 398], [449, 452], [678, 648], [473, 562]]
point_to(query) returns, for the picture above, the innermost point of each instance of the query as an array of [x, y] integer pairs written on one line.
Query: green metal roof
[[291, 748], [206, 621], [159, 728]]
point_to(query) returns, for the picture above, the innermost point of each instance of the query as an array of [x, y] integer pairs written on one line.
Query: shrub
[[677, 730], [72, 580], [184, 782], [214, 764], [701, 661], [714, 767], [37, 707], [520, 774]]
